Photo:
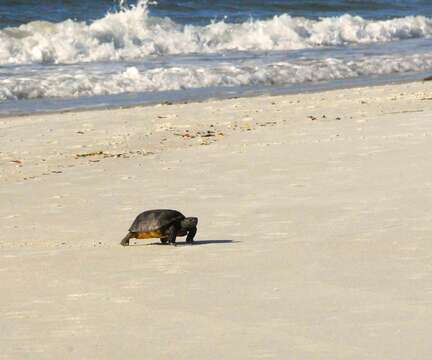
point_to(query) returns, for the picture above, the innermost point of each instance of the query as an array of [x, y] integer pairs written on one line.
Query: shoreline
[[216, 94]]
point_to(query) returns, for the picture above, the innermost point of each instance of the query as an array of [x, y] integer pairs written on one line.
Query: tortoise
[[165, 224]]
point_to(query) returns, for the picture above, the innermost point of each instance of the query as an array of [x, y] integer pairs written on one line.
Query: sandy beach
[[314, 237]]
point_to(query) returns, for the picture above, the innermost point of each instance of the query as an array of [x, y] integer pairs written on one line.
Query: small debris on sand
[[268, 123], [105, 155], [209, 133], [89, 154]]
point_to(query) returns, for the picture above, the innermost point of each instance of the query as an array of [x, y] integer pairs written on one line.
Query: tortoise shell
[[155, 220]]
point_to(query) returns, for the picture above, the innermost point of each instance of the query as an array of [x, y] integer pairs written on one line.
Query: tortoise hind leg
[[171, 235], [125, 241], [191, 235]]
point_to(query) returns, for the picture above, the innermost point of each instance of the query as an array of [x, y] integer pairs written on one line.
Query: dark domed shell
[[153, 220]]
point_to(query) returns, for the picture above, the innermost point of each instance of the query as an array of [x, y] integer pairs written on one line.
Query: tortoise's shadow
[[195, 243]]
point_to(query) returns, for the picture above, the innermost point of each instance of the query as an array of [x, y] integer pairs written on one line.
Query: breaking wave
[[131, 34], [78, 83]]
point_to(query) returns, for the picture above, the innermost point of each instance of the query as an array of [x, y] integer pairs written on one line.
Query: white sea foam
[[132, 33], [75, 83]]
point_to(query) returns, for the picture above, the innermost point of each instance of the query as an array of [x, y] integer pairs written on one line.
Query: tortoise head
[[189, 223]]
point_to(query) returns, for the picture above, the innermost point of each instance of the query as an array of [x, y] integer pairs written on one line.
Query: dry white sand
[[314, 241]]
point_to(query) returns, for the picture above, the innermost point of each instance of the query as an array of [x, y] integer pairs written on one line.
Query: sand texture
[[314, 237]]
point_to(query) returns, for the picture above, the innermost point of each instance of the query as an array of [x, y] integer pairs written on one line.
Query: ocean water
[[73, 54]]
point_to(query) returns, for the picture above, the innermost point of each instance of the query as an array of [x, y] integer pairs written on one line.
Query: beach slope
[[314, 237]]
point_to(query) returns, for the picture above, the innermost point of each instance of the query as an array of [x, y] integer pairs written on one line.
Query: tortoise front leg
[[171, 235], [190, 235]]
